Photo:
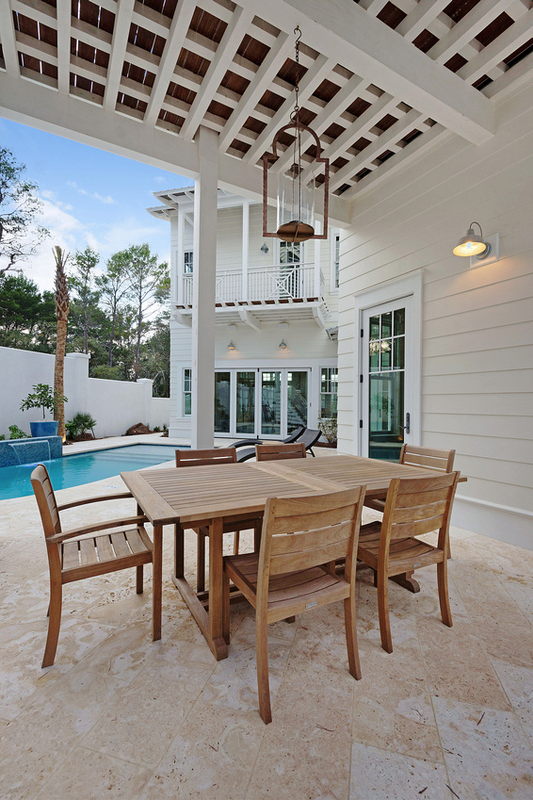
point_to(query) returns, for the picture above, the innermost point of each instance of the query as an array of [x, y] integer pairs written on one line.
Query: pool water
[[73, 470]]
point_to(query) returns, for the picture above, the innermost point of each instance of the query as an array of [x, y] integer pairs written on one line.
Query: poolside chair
[[291, 574], [413, 456], [202, 458], [307, 435], [279, 451], [252, 442], [72, 555], [414, 506]]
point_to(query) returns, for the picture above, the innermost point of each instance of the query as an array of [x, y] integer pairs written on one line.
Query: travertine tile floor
[[448, 715]]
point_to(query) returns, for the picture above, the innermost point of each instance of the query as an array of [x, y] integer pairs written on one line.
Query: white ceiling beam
[[384, 105], [63, 46], [375, 6], [249, 319], [364, 160], [401, 160], [318, 317], [262, 79], [509, 41], [226, 50], [183, 319], [120, 41], [424, 12], [344, 30], [467, 29], [150, 20], [343, 99], [36, 49], [514, 77], [176, 38], [101, 40], [309, 83], [7, 37], [36, 9]]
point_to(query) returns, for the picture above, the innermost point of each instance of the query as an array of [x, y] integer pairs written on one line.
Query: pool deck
[[449, 714]]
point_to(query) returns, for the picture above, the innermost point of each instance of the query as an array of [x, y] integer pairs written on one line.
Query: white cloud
[[107, 199]]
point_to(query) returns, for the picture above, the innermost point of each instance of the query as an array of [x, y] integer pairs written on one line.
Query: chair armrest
[[99, 499], [99, 526]]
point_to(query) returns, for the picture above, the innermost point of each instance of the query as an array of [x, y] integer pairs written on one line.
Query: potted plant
[[328, 428], [45, 398]]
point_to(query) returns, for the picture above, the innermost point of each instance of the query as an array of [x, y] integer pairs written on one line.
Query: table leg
[[157, 581], [216, 590], [407, 580], [179, 551]]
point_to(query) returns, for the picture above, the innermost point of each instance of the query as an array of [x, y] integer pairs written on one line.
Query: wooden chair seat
[[404, 554], [294, 570], [73, 555]]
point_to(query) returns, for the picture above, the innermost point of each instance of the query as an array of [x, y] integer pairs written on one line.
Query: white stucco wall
[[477, 326], [116, 405]]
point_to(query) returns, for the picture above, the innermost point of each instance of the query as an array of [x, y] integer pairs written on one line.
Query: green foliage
[[27, 319], [2, 436], [16, 433], [328, 428], [81, 423], [43, 397], [19, 237]]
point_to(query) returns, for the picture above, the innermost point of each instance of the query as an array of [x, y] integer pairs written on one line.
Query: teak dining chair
[[301, 538], [279, 451], [202, 458], [414, 506], [72, 555]]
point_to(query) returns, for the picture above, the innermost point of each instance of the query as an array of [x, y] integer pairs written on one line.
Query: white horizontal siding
[[477, 327]]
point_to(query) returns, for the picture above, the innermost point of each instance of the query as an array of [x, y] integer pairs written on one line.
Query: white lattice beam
[[63, 46], [120, 42]]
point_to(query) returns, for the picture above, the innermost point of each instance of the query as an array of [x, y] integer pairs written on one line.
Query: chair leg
[[261, 647], [444, 599], [383, 609], [351, 637], [258, 526], [200, 562], [54, 622], [236, 540], [139, 579]]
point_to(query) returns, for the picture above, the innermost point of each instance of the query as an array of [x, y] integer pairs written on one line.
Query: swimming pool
[[73, 470]]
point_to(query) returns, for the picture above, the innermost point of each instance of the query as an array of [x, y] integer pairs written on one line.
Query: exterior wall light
[[231, 346], [264, 248], [472, 244], [283, 345], [297, 184]]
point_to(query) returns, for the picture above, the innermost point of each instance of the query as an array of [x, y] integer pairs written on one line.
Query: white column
[[179, 257], [318, 242], [204, 285], [245, 247]]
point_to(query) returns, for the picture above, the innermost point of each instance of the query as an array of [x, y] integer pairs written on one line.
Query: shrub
[[81, 423], [16, 433], [328, 428], [43, 397]]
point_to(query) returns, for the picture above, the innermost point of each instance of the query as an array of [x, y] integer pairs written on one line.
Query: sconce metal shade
[[231, 346], [264, 248], [472, 244], [283, 345]]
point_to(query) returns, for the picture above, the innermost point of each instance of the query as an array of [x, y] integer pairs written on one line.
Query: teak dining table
[[214, 496]]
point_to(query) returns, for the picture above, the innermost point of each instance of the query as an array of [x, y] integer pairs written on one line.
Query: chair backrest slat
[[46, 500], [279, 451], [431, 458], [291, 552], [202, 458], [418, 505]]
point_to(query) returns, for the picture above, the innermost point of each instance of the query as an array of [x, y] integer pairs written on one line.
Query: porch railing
[[283, 281]]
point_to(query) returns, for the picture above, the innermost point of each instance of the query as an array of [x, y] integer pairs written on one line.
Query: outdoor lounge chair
[[124, 544], [308, 436], [290, 574], [252, 442]]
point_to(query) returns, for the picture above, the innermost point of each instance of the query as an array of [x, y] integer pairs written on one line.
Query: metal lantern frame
[[269, 159]]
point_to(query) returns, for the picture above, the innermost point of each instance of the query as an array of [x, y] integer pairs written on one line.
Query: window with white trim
[[335, 252], [187, 392], [329, 380], [187, 262]]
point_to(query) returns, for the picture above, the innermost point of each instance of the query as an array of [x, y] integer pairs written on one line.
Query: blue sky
[[90, 197]]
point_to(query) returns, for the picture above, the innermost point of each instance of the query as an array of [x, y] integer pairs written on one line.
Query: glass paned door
[[271, 403], [297, 401], [222, 402], [385, 390], [245, 422]]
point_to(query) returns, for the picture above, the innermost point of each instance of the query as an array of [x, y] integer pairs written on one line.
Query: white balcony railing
[[280, 282]]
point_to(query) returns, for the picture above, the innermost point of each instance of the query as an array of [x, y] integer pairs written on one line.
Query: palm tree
[[62, 304]]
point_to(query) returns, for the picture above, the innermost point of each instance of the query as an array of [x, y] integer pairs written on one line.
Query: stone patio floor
[[449, 714]]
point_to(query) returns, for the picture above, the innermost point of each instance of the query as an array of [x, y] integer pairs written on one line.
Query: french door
[[268, 403], [387, 371]]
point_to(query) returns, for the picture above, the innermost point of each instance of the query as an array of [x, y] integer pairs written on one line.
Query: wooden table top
[[193, 494]]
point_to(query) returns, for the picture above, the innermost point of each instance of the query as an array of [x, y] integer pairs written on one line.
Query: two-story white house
[[276, 321]]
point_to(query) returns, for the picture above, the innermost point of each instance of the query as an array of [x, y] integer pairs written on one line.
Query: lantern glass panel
[[296, 202]]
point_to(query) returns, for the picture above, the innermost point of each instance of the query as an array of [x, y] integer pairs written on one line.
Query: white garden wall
[[116, 405]]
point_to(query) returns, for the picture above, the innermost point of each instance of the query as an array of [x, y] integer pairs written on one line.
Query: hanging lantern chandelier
[[300, 183]]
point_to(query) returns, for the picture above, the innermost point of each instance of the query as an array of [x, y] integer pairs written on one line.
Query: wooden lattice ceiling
[[178, 64]]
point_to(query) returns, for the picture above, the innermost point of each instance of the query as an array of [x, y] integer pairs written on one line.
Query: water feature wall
[[30, 451]]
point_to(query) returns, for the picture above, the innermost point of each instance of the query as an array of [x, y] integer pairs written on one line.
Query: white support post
[[179, 257], [204, 286], [245, 247], [317, 261]]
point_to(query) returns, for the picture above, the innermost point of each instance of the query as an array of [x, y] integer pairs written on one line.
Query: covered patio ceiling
[[380, 81]]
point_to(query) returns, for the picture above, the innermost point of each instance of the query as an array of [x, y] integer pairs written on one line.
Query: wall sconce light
[[472, 244], [231, 346], [283, 345], [264, 248]]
